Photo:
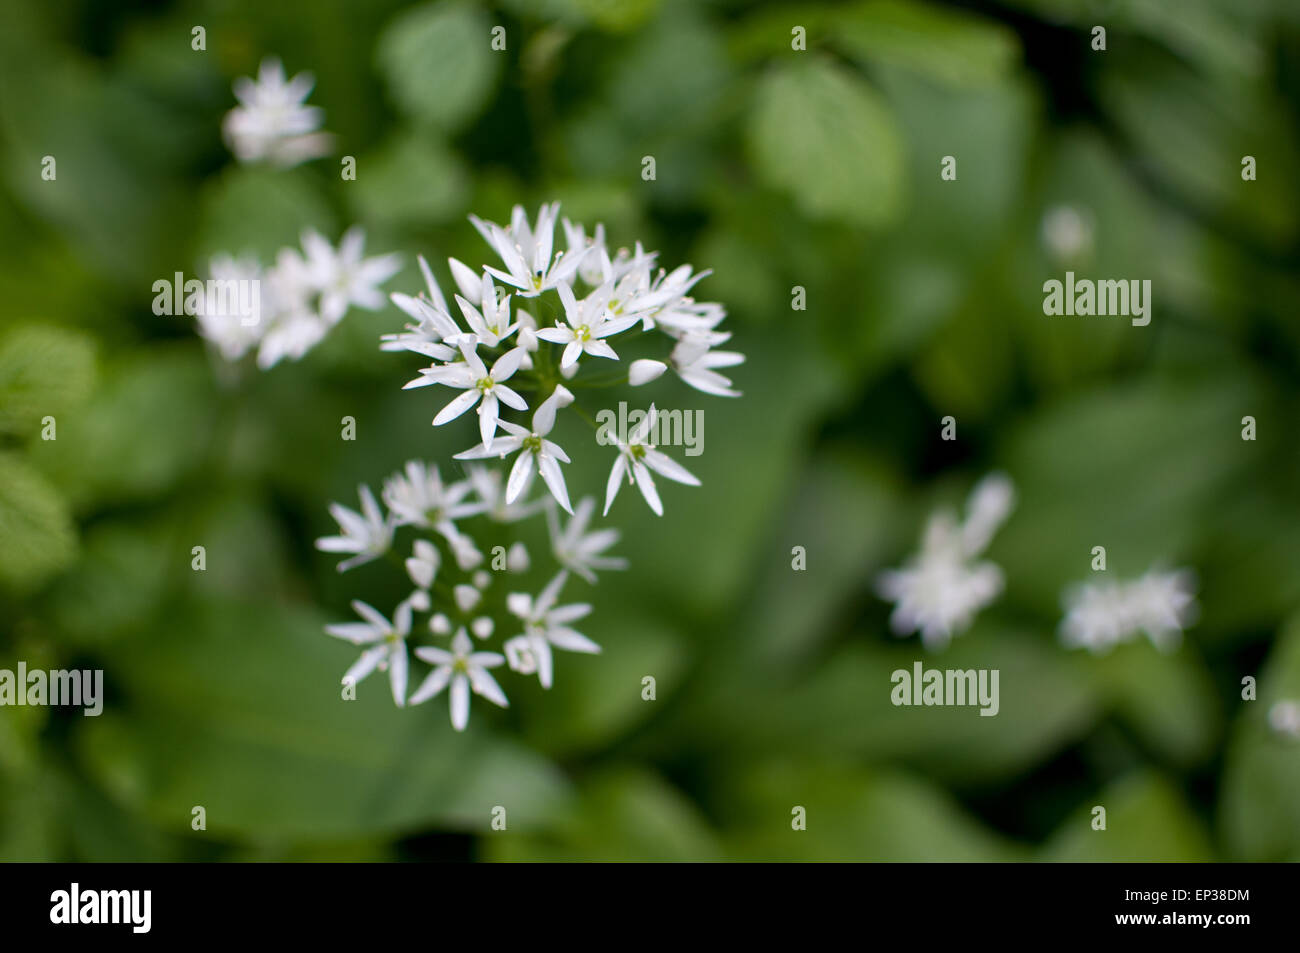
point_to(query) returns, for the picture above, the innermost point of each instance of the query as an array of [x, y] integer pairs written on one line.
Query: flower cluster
[[298, 300], [1100, 615], [272, 123], [504, 348], [501, 357], [452, 591], [939, 591]]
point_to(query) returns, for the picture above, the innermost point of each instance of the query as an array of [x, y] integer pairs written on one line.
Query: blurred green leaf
[[819, 131], [952, 46], [238, 708], [439, 64], [37, 536], [1259, 812], [413, 180], [1146, 821], [43, 372]]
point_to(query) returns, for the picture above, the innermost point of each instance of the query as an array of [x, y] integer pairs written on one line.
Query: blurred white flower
[[344, 278], [422, 564], [1284, 718], [576, 549], [939, 591], [697, 366], [464, 670], [547, 625], [272, 122], [368, 534], [418, 497], [1100, 615]]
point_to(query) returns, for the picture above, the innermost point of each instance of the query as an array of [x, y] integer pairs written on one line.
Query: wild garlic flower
[[285, 310], [636, 458], [272, 121], [939, 591], [387, 641], [508, 362], [1101, 615], [1284, 718]]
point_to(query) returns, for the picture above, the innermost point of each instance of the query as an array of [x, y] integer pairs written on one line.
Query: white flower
[[939, 591], [537, 454], [491, 325], [1283, 717], [463, 670], [221, 320], [587, 324], [368, 534], [433, 323], [291, 335], [472, 377], [588, 249], [489, 485], [517, 558], [526, 252], [696, 365], [546, 625], [637, 458], [466, 596], [579, 550], [344, 277], [519, 655], [1100, 615], [272, 121], [423, 563], [644, 371], [482, 627], [388, 641], [419, 498]]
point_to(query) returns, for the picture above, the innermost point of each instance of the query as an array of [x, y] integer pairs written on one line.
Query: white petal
[[459, 702], [463, 402]]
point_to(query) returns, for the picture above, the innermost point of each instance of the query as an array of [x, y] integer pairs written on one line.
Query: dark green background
[[776, 169]]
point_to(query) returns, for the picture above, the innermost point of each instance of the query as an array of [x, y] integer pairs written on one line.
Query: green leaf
[[37, 536], [1259, 812], [439, 64], [257, 211], [44, 371], [238, 708], [150, 425], [819, 131], [412, 180], [624, 814], [851, 814], [954, 47], [1146, 820]]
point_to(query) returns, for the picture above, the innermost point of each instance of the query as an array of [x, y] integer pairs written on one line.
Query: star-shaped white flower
[[272, 122], [547, 625], [489, 484], [490, 322], [433, 326], [420, 498], [368, 534], [387, 641], [939, 591], [536, 453], [696, 364], [478, 384], [464, 670], [576, 549], [526, 252], [344, 277], [586, 324], [637, 458]]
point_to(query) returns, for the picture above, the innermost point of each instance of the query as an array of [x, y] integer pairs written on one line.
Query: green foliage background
[[775, 168]]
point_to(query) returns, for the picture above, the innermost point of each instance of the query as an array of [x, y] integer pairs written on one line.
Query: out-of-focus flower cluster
[[272, 122], [297, 300], [1101, 615]]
